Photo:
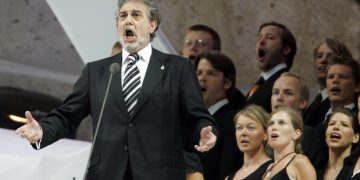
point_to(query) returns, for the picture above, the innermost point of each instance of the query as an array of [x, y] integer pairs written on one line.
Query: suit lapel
[[156, 69], [116, 87]]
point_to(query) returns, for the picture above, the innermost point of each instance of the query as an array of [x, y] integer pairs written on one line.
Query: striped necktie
[[131, 85]]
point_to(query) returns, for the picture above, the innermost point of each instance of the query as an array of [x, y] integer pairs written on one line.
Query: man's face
[[340, 85], [134, 27], [321, 62], [286, 93], [269, 50], [212, 82], [195, 43]]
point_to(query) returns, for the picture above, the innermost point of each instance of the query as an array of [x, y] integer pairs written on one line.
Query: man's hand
[[31, 130], [207, 140]]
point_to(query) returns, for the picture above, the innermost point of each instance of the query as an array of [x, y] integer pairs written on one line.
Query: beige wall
[[30, 33]]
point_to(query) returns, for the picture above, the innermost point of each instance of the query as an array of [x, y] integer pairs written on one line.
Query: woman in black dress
[[285, 131], [250, 125], [342, 133], [355, 173], [355, 170]]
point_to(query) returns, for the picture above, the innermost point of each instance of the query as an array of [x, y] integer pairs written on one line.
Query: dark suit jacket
[[262, 96], [310, 144], [236, 98], [151, 140], [225, 157], [315, 113]]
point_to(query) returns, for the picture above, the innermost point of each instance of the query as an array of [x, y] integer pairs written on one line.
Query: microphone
[[114, 69]]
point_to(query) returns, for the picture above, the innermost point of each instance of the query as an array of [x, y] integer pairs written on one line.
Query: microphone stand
[[114, 68]]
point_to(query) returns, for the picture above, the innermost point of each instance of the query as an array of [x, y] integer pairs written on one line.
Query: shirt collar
[[268, 74], [324, 94], [143, 53], [213, 108], [348, 106]]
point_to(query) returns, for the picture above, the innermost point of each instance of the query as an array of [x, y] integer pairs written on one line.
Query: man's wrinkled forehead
[[134, 7]]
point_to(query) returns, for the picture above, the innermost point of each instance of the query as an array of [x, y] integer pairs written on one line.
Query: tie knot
[[260, 81], [133, 58]]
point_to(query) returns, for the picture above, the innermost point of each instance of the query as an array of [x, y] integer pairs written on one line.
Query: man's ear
[[227, 84], [357, 88], [153, 26], [303, 104], [286, 50]]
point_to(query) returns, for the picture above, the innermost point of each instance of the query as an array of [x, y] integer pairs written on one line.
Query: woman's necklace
[[268, 174]]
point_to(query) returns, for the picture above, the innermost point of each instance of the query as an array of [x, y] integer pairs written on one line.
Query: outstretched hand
[[31, 130], [207, 140]]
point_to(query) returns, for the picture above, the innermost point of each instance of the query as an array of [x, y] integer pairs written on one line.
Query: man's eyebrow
[[135, 10]]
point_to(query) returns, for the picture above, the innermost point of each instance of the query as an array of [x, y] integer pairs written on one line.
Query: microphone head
[[114, 68]]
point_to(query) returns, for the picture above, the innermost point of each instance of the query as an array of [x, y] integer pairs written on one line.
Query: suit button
[[130, 125], [126, 148]]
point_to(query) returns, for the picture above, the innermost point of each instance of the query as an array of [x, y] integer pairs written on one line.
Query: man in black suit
[[198, 39], [275, 51], [343, 86], [201, 38], [143, 139], [217, 76], [316, 111], [342, 83]]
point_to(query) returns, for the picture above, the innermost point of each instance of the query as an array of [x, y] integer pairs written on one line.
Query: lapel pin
[[162, 67]]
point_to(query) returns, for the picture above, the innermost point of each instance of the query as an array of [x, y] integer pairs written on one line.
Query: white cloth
[[324, 94], [329, 112], [213, 108], [64, 160], [268, 74]]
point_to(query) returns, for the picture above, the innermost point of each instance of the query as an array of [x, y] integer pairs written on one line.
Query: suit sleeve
[[65, 119]]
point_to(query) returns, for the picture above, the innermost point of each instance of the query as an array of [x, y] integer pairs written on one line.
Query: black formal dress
[[282, 174], [257, 174], [345, 172], [353, 160]]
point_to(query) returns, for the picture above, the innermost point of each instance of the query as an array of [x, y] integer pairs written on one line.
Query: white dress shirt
[[142, 63]]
